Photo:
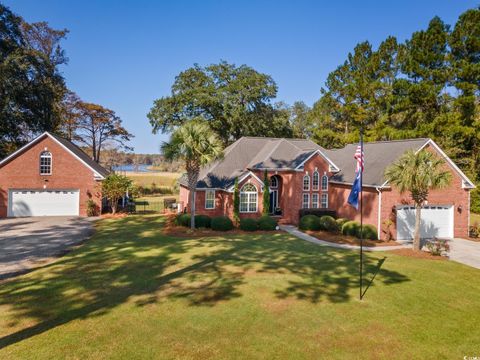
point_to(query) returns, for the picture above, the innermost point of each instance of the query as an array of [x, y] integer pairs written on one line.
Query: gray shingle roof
[[258, 153], [82, 155], [67, 144], [378, 155]]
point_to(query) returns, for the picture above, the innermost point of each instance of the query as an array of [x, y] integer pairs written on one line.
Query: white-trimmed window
[[324, 183], [306, 183], [209, 199], [248, 198], [324, 201], [315, 201], [46, 163], [315, 180], [306, 201], [273, 182]]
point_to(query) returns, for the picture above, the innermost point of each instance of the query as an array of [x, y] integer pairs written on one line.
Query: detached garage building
[[50, 176]]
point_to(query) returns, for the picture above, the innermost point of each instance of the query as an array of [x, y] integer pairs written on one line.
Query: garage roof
[[69, 146]]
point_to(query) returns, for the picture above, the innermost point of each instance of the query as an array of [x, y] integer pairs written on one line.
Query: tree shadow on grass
[[131, 259]]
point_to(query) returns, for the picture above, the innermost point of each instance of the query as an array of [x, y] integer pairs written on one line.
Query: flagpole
[[361, 214]]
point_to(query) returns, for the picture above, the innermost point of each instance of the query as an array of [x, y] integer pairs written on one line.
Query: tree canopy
[[234, 101]]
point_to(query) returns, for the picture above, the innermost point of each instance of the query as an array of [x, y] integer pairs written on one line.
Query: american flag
[[360, 157]]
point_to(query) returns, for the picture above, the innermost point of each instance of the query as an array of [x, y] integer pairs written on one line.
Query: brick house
[[49, 176], [304, 175]]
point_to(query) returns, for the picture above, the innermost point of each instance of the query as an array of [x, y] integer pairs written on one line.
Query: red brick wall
[[290, 193], [453, 195], [68, 172], [291, 190]]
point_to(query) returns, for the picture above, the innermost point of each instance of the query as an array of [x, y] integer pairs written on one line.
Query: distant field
[[160, 179]]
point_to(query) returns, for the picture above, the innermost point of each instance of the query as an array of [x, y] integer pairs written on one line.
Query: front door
[[273, 200]]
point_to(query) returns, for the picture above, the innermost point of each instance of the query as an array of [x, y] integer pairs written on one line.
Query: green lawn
[[160, 179], [152, 203], [474, 218], [130, 292]]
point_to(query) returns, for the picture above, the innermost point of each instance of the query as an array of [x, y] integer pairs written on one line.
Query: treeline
[[426, 86], [34, 96], [112, 157]]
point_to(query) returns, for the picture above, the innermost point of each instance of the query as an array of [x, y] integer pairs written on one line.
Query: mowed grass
[[153, 203], [474, 218], [132, 293], [160, 179]]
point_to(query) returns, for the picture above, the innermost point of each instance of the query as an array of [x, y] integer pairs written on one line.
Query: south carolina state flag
[[357, 184], [355, 192]]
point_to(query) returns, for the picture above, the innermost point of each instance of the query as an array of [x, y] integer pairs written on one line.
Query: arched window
[[248, 198], [306, 183], [315, 180], [273, 182], [324, 183], [46, 163]]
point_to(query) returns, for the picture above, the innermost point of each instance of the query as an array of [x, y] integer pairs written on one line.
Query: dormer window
[[46, 163]]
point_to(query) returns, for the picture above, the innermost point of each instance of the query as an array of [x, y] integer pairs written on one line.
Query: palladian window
[[248, 198]]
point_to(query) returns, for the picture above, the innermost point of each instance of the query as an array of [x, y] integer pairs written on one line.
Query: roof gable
[[99, 171]]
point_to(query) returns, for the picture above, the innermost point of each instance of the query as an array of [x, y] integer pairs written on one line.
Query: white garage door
[[437, 221], [43, 203]]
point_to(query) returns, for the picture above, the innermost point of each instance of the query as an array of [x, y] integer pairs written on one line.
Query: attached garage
[[437, 221], [43, 203]]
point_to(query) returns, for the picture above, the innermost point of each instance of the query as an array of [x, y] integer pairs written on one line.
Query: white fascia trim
[[96, 175], [26, 146], [449, 161], [364, 185], [319, 152], [249, 173], [467, 183]]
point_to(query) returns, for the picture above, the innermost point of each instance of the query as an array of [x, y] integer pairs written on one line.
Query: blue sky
[[125, 54]]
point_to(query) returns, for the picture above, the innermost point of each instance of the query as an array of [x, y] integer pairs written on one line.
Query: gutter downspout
[[379, 190]]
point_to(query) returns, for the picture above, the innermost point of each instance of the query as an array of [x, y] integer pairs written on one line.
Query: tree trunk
[[418, 219], [192, 208], [193, 170]]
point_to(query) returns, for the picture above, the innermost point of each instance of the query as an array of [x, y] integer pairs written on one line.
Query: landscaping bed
[[338, 238]]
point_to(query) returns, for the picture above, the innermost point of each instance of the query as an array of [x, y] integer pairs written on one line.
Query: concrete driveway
[[465, 252], [29, 242]]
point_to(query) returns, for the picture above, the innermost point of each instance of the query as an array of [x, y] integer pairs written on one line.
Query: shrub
[[474, 231], [267, 223], [92, 208], [340, 222], [248, 224], [202, 221], [221, 223], [328, 223], [438, 247], [309, 222], [183, 220], [317, 212], [350, 228], [369, 232]]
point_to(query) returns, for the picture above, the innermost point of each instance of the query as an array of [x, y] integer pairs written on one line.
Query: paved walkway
[[463, 251], [294, 231], [466, 252], [30, 242]]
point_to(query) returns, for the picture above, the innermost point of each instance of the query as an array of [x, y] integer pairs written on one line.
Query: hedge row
[[345, 226], [223, 223]]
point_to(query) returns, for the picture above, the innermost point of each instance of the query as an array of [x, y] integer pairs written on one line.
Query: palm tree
[[196, 145], [418, 173]]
